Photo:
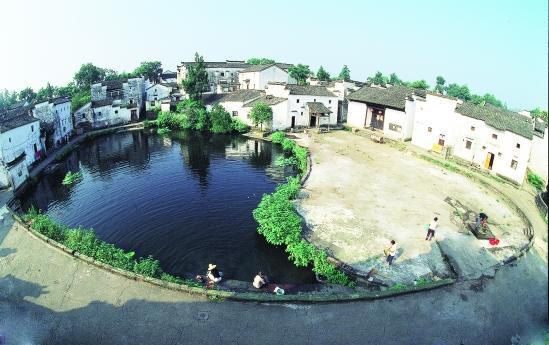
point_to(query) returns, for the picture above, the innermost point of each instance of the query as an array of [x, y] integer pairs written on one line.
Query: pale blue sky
[[492, 46]]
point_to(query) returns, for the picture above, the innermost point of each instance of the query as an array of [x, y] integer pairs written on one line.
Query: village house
[[116, 102], [168, 76], [161, 93], [491, 138], [257, 76], [20, 145], [539, 163], [222, 76], [341, 89], [56, 120], [234, 103], [388, 109]]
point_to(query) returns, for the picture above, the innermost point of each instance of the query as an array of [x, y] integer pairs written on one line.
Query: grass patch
[[398, 287], [71, 178]]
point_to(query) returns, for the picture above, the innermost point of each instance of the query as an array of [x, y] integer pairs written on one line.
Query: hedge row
[[86, 242], [280, 224]]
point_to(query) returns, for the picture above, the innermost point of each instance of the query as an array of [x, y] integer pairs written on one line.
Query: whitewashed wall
[[538, 156], [24, 138], [356, 114]]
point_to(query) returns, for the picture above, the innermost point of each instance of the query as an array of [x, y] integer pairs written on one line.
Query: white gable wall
[[538, 157], [24, 138], [356, 115]]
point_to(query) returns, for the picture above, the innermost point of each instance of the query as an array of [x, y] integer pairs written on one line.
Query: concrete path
[[48, 297]]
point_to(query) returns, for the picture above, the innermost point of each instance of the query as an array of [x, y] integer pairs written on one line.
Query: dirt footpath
[[361, 194]]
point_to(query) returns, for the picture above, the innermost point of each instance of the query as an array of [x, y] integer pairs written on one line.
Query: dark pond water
[[185, 199]]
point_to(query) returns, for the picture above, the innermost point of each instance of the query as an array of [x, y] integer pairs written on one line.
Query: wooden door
[[489, 161]]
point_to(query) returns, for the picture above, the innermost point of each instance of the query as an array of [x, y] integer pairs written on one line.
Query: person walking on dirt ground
[[390, 252], [432, 227]]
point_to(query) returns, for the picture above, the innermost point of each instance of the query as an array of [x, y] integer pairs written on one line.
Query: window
[[395, 128], [494, 136], [116, 111], [468, 144], [518, 146], [35, 148], [235, 113], [152, 103], [297, 100], [514, 164], [484, 147], [429, 129], [472, 128], [301, 113], [64, 129], [329, 101], [499, 154], [9, 140], [314, 100], [32, 129], [99, 114], [222, 74]]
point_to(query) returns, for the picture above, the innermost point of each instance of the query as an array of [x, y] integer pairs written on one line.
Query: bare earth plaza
[[217, 200]]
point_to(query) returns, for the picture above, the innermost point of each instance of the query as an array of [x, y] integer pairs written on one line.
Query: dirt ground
[[362, 194]]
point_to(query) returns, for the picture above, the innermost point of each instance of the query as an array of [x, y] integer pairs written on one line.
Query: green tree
[[79, 98], [345, 73], [150, 70], [260, 61], [491, 99], [196, 81], [419, 84], [221, 121], [439, 87], [87, 75], [538, 113], [7, 99], [46, 92], [395, 80], [261, 113], [27, 94], [300, 73], [459, 91], [378, 79], [322, 74], [477, 99], [195, 113]]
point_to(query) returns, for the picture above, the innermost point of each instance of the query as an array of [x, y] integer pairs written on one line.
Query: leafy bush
[[239, 126], [164, 130], [287, 144], [71, 177], [277, 137], [221, 120], [86, 242], [535, 180], [286, 161]]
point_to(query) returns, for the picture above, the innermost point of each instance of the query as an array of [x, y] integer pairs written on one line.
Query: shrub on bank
[[535, 180], [86, 242], [280, 223]]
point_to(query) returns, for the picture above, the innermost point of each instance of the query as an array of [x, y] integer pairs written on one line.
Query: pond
[[187, 199]]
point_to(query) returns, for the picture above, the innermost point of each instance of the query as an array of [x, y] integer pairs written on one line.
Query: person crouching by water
[[213, 274], [259, 281]]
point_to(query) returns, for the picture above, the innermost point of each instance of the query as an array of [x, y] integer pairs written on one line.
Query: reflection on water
[[186, 199]]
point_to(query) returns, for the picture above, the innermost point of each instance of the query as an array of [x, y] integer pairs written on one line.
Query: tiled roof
[[267, 99], [212, 98], [224, 64], [114, 84], [258, 68], [318, 108], [539, 126], [168, 74], [241, 96], [311, 90], [15, 118], [393, 97], [102, 103], [499, 118]]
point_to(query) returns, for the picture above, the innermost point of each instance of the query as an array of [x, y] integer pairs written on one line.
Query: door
[[134, 115], [313, 121], [489, 161], [378, 117], [293, 121]]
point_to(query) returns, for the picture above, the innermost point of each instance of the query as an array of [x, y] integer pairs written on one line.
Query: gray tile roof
[[241, 96], [392, 97], [267, 99], [258, 68], [311, 90], [318, 108], [102, 102], [15, 118], [499, 118]]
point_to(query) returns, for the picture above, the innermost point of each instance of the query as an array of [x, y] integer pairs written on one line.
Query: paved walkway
[[48, 297]]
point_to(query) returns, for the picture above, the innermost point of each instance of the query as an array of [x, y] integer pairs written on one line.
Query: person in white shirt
[[259, 281], [432, 227], [391, 252]]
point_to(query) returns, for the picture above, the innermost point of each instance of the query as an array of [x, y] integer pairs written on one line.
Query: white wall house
[[389, 109], [491, 138], [116, 102], [83, 115], [539, 155], [160, 92], [19, 145], [257, 76], [234, 103], [298, 114], [279, 106], [222, 76], [55, 114], [168, 76]]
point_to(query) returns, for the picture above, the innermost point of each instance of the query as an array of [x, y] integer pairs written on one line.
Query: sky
[[500, 47]]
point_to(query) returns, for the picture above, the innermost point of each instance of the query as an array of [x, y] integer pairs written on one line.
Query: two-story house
[[258, 76], [56, 120], [222, 76]]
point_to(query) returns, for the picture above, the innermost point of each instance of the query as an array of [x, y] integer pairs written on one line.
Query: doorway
[[378, 118], [293, 121], [489, 161], [312, 122], [134, 115]]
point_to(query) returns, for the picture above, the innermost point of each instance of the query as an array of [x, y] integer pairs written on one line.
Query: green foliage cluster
[[85, 241], [260, 61], [280, 224], [286, 161], [192, 114], [535, 180], [71, 178], [322, 74], [261, 113], [345, 73], [196, 81], [538, 113], [300, 73]]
